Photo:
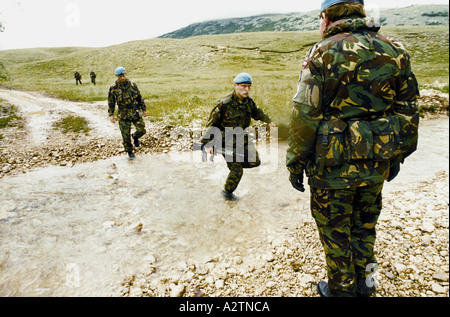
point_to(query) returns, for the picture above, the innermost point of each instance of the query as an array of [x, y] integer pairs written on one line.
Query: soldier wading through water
[[227, 125]]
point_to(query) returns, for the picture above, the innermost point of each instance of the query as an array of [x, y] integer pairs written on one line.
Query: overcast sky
[[97, 23]]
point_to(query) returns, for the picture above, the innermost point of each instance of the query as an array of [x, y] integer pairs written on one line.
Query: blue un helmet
[[329, 3], [120, 71], [243, 78]]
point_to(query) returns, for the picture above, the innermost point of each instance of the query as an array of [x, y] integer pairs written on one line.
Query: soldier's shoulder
[[226, 99], [113, 87]]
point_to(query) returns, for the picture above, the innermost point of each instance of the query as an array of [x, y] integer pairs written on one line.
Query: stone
[[427, 227], [438, 289]]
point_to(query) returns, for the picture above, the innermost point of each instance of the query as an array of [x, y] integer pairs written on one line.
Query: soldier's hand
[[272, 125], [112, 119], [297, 181], [394, 169]]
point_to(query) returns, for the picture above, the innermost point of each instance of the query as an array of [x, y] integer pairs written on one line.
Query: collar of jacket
[[352, 25], [123, 85]]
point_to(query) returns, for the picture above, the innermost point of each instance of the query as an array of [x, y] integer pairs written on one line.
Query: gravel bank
[[412, 250]]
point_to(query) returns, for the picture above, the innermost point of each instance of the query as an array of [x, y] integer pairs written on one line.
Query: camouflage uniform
[[130, 104], [354, 116], [233, 114], [77, 77], [93, 76]]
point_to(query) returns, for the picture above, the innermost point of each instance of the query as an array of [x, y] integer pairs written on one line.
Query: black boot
[[324, 291], [136, 141], [322, 287], [363, 290], [130, 156], [229, 196]]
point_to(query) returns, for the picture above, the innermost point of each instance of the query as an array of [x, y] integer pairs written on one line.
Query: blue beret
[[120, 71], [243, 78], [329, 3]]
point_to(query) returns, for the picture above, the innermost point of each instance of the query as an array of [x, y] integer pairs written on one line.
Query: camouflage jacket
[[355, 110], [231, 112], [127, 97]]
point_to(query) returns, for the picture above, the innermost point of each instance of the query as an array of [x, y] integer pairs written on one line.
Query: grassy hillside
[[181, 79]]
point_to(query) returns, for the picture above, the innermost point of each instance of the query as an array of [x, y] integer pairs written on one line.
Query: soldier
[[131, 109], [93, 76], [355, 119], [77, 77], [227, 122]]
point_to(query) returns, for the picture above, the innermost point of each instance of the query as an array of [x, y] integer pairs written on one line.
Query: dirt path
[[38, 144], [41, 112]]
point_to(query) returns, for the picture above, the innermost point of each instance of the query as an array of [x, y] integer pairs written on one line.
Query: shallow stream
[[78, 231]]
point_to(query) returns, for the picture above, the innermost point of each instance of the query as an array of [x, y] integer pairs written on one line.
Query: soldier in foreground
[[354, 121], [227, 123], [131, 109]]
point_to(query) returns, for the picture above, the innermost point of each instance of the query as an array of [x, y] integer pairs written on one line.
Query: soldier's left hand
[[297, 181], [393, 171]]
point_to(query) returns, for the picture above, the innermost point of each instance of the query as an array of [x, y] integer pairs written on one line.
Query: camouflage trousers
[[237, 168], [125, 129], [346, 220]]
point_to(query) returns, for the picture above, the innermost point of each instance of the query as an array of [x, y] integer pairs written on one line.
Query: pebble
[[428, 227]]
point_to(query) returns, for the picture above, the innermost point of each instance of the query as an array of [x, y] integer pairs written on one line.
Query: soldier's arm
[[406, 107], [212, 124], [305, 118], [140, 100], [258, 113], [111, 102]]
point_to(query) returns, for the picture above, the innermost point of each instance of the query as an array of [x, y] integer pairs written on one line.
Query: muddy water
[[79, 231]]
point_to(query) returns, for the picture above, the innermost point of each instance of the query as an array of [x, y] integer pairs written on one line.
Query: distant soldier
[[93, 76], [354, 120], [228, 121], [77, 77], [131, 109]]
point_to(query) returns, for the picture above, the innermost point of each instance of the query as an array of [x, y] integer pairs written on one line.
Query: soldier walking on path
[[93, 76], [227, 124], [131, 109], [77, 77], [355, 120]]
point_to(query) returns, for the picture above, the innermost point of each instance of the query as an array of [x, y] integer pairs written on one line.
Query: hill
[[181, 79], [305, 21]]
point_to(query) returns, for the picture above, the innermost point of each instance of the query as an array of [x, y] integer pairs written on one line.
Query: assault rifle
[[217, 150]]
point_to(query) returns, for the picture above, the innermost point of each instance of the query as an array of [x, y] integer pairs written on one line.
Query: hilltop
[[304, 21]]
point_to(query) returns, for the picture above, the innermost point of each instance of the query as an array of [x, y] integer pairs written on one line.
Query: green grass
[[73, 124], [181, 79], [8, 115]]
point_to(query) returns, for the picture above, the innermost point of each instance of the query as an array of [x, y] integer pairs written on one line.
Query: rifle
[[217, 150]]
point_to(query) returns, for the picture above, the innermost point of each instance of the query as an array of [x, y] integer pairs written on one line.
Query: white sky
[[97, 23]]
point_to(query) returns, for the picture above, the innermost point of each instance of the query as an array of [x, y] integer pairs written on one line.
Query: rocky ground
[[412, 246], [19, 155], [412, 250]]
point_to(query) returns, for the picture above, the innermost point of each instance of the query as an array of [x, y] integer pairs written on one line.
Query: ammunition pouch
[[339, 141]]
